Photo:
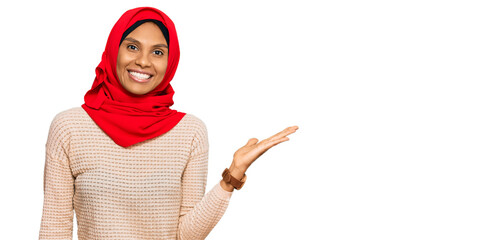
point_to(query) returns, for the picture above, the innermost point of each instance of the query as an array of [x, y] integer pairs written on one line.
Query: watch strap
[[228, 178]]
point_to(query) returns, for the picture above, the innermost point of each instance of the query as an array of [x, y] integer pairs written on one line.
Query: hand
[[247, 154]]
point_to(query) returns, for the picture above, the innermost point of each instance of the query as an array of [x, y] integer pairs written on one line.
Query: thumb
[[251, 142]]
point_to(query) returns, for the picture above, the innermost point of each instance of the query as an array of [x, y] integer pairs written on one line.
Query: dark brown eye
[[132, 47], [158, 52]]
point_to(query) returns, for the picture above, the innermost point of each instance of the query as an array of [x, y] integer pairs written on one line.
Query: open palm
[[247, 154]]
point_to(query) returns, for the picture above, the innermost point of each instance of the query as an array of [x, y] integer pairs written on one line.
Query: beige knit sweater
[[151, 190]]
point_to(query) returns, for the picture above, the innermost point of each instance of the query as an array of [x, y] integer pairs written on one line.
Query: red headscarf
[[125, 117]]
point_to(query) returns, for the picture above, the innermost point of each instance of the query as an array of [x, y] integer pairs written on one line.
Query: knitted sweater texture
[[151, 190]]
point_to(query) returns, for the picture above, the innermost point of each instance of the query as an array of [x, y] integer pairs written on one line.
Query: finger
[[252, 141], [281, 135], [263, 147], [273, 143], [283, 139], [287, 131]]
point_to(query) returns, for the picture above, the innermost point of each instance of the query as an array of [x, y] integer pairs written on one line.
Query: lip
[[137, 79]]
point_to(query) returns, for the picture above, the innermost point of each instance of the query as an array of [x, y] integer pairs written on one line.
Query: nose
[[143, 60]]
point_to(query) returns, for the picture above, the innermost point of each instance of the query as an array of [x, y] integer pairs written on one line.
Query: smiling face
[[143, 59]]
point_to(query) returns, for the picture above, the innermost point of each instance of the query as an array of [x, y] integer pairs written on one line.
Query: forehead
[[148, 32]]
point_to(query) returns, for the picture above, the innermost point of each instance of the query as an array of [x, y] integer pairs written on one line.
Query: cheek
[[122, 60], [119, 66], [161, 69]]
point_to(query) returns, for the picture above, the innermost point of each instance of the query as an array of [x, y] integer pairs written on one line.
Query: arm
[[197, 219], [200, 212], [57, 215]]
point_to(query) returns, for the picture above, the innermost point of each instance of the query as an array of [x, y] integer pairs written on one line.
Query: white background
[[399, 105]]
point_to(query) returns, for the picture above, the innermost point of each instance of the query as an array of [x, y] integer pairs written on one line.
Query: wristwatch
[[228, 178]]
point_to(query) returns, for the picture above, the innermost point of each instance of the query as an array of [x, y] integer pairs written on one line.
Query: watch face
[[226, 176]]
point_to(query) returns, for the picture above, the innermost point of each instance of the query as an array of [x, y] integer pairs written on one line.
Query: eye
[[132, 47], [158, 52]]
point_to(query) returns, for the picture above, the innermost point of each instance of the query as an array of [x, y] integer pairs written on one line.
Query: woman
[[131, 167]]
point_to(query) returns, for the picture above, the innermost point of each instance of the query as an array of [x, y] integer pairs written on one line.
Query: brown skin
[[145, 50], [247, 154]]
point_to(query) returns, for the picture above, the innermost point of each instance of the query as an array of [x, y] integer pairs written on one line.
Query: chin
[[137, 91]]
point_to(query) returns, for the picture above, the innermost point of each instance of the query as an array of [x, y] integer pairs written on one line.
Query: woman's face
[[142, 59]]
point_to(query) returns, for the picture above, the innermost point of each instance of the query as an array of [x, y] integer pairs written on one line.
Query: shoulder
[[194, 122], [69, 114], [198, 129], [64, 117], [60, 129], [67, 117]]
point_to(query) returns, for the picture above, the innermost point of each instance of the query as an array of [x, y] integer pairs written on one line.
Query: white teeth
[[139, 75]]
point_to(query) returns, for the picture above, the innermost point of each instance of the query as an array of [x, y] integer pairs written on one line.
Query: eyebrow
[[136, 41]]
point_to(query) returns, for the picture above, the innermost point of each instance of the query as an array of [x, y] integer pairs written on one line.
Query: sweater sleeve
[[57, 214], [200, 212]]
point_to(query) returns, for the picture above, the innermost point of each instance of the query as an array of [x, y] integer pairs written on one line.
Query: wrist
[[237, 171], [226, 186]]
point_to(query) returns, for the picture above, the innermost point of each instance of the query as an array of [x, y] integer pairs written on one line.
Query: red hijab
[[125, 117]]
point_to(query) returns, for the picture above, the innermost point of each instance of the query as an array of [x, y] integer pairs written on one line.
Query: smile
[[139, 77]]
